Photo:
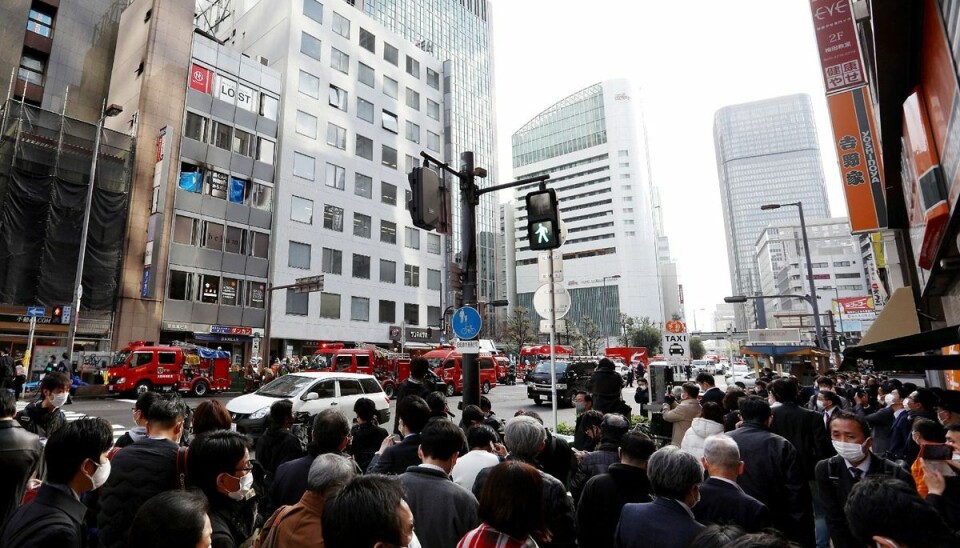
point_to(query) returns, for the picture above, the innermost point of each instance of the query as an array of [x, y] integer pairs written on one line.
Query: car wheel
[[451, 390], [537, 401], [389, 390], [142, 387], [200, 389], [486, 387]]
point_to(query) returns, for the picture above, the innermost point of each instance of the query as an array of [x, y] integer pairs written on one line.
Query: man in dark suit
[[667, 522], [722, 501], [898, 445], [837, 475], [394, 457], [708, 389]]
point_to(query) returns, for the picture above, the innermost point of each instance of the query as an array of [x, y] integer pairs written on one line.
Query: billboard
[[837, 44], [855, 308]]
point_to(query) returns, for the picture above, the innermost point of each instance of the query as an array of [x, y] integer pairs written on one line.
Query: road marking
[[118, 429]]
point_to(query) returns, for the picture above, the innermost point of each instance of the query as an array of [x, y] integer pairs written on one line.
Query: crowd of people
[[854, 460]]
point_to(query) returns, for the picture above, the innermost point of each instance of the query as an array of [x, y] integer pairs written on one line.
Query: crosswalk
[[118, 429]]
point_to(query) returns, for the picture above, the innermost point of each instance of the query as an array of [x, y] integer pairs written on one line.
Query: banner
[[201, 79], [837, 44], [855, 308]]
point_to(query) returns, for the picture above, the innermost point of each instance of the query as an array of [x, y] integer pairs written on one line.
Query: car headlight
[[260, 413], [561, 386], [531, 383], [121, 380]]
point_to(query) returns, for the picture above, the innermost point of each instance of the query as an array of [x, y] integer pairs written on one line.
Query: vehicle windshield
[[434, 362], [286, 386], [544, 367], [120, 359]]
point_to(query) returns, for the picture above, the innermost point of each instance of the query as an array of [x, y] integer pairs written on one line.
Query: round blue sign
[[466, 323]]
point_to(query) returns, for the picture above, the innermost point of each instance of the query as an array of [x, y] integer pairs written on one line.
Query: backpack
[[182, 467], [268, 535]]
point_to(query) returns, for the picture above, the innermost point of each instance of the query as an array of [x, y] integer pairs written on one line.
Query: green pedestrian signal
[[543, 223]]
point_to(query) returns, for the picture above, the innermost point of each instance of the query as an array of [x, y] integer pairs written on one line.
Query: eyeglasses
[[248, 468]]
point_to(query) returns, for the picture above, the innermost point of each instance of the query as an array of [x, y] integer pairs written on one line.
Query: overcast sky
[[689, 58]]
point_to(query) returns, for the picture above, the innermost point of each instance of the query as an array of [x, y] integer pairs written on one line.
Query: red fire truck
[[445, 362], [390, 368], [143, 366], [633, 356]]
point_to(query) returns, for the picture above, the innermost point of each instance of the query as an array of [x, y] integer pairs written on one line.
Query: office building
[[671, 294], [591, 143], [767, 152]]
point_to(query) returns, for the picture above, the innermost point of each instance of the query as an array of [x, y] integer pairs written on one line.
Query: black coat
[[606, 386], [54, 519], [835, 483], [724, 503], [713, 394], [19, 456], [663, 523], [880, 422], [774, 477], [948, 504], [581, 441], [805, 430], [232, 521], [366, 440], [593, 464], [40, 420], [411, 387], [275, 447], [397, 458], [557, 458], [604, 496]]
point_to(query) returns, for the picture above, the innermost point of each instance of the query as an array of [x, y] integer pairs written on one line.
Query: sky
[[688, 58]]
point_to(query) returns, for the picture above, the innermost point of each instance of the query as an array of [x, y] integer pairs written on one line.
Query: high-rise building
[[670, 292], [592, 146], [767, 152]]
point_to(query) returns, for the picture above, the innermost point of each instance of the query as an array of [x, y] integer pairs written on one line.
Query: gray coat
[[442, 510]]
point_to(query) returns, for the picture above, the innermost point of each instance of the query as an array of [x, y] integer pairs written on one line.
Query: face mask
[[888, 399], [100, 476], [852, 452], [246, 483], [955, 457], [906, 403], [60, 399], [819, 404], [581, 407]]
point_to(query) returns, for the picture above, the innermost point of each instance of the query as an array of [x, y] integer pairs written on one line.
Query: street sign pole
[[553, 346], [33, 328]]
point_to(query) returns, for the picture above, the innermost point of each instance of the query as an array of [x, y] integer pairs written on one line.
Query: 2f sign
[[832, 10]]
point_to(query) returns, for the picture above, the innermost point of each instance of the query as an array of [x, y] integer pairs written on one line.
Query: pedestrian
[[557, 457], [63, 366], [417, 384], [731, 404], [368, 512], [925, 432], [19, 456], [708, 389], [76, 462], [209, 416], [141, 410], [394, 457], [437, 402], [219, 465], [898, 446], [948, 407], [277, 445], [43, 417], [888, 513], [642, 395], [667, 522], [825, 384], [366, 435], [583, 403], [511, 509], [828, 405], [330, 434], [489, 417], [485, 452], [8, 371], [881, 420], [51, 365], [172, 518], [20, 379], [942, 481], [606, 385], [708, 423], [722, 501], [596, 462], [681, 414], [630, 377], [443, 511]]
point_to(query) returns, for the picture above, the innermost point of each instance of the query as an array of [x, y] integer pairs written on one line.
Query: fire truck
[[144, 366], [390, 368], [445, 362]]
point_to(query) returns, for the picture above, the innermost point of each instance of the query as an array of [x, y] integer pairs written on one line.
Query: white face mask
[[819, 404], [955, 457], [906, 403], [852, 452], [100, 476], [246, 483], [888, 399], [60, 399]]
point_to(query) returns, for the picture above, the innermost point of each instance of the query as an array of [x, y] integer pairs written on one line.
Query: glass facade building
[[767, 152]]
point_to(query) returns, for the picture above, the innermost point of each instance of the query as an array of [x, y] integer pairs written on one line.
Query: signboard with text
[[201, 79], [838, 45], [855, 308], [676, 347]]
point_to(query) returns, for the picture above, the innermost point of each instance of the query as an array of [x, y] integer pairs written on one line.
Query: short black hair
[[876, 507], [754, 408], [605, 363], [54, 381], [8, 403], [145, 401], [363, 513], [481, 435], [712, 411], [70, 446], [587, 397], [833, 397], [637, 445], [926, 397], [441, 440], [589, 418], [717, 536], [330, 428], [365, 409], [471, 414], [691, 389], [929, 430], [172, 518], [707, 378], [485, 403], [414, 412], [167, 411], [437, 402], [419, 367], [280, 411], [213, 453], [824, 381], [844, 415]]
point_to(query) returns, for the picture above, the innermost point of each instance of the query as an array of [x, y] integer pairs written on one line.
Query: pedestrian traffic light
[[56, 314], [543, 223], [427, 200]]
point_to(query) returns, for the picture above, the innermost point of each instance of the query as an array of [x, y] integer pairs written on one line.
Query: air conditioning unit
[[262, 60]]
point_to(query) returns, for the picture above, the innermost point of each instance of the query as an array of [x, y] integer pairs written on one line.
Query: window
[[433, 279], [304, 166], [212, 236], [209, 289], [387, 312], [388, 232], [313, 10], [433, 243], [389, 121], [338, 98], [265, 150], [391, 88], [388, 271], [368, 40], [433, 109], [306, 124], [180, 288], [341, 25], [410, 162], [336, 177], [411, 313], [239, 190], [298, 304], [365, 147], [849, 276], [433, 141], [841, 264], [361, 266], [40, 23], [388, 193], [269, 106], [217, 185], [333, 218], [364, 110], [259, 244], [301, 210], [339, 61], [310, 46], [299, 255], [361, 225], [195, 127], [336, 136], [309, 85], [359, 312], [31, 69], [235, 240], [413, 132], [186, 230], [366, 75], [243, 143], [362, 185], [413, 99], [411, 275], [330, 306], [332, 261], [433, 316], [411, 237], [413, 67], [388, 156], [255, 294], [433, 79], [391, 54], [231, 292], [262, 197], [221, 135]]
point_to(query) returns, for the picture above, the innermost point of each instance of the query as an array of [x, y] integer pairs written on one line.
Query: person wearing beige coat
[[681, 414]]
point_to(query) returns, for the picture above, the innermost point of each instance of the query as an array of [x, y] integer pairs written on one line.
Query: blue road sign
[[35, 311], [466, 323]]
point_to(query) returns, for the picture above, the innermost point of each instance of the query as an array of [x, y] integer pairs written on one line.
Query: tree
[[675, 316], [697, 350], [518, 329], [641, 332], [588, 338]]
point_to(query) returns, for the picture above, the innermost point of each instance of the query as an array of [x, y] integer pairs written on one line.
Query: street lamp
[[105, 112], [606, 337], [806, 250]]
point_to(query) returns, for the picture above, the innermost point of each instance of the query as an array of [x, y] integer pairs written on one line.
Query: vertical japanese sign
[[201, 79], [837, 44], [861, 169]]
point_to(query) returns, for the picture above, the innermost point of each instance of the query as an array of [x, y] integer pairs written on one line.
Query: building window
[[433, 279], [413, 132], [298, 304], [433, 79], [231, 292], [310, 46], [309, 85], [368, 40], [388, 193], [186, 230], [336, 177], [256, 291], [332, 261], [243, 143], [411, 237], [341, 25], [338, 98], [391, 54], [366, 75], [411, 275], [181, 285], [413, 67], [32, 69], [313, 10], [195, 127], [235, 240], [209, 289], [336, 136], [433, 316], [365, 147], [304, 166], [221, 135], [842, 264], [364, 110], [388, 271], [333, 218], [433, 243], [389, 121], [262, 197], [301, 210], [306, 124], [413, 99], [299, 255], [265, 150], [259, 244], [361, 225], [391, 88], [359, 309], [388, 232], [361, 266], [217, 184], [212, 236], [433, 141], [843, 276], [269, 106], [330, 306], [339, 61], [362, 185], [40, 23], [411, 313], [387, 312], [388, 156]]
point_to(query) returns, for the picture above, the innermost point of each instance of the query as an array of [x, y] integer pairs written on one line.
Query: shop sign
[[201, 79], [257, 292], [177, 326], [838, 45], [231, 330], [856, 308]]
